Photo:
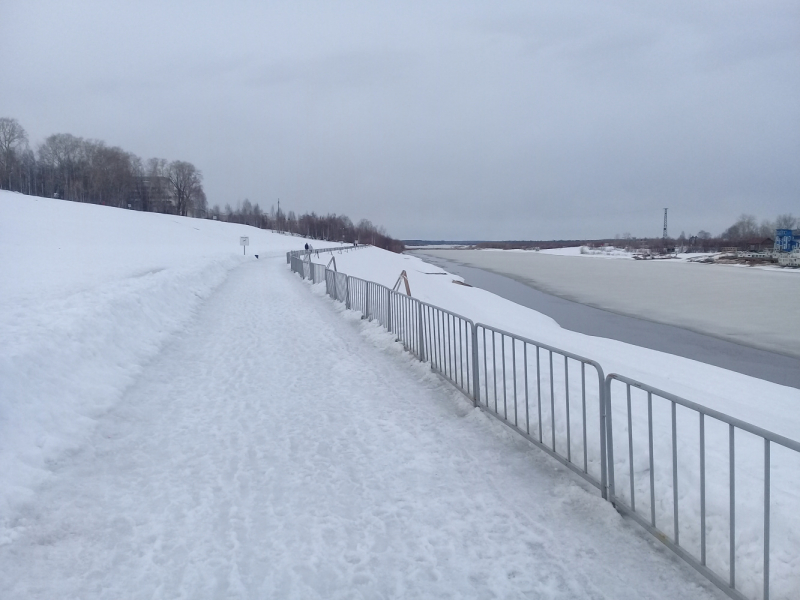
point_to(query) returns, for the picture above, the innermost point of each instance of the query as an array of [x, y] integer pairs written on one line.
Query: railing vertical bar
[[552, 405], [387, 303], [456, 350], [451, 347], [409, 328], [652, 461], [766, 517], [404, 321], [471, 357], [675, 508], [505, 377], [431, 332], [733, 506], [630, 450], [421, 331], [566, 396], [446, 348], [476, 383], [445, 344], [539, 392], [461, 350], [514, 375], [425, 343], [440, 343], [583, 414], [485, 371], [527, 404], [451, 327], [702, 489], [494, 369]]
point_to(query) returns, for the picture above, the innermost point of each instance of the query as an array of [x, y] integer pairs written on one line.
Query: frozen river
[[745, 320]]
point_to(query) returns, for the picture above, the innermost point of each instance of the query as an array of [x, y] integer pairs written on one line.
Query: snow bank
[[771, 406], [90, 294]]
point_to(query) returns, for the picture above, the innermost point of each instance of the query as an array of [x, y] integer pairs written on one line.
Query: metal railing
[[679, 505], [528, 386], [317, 251], [563, 403], [448, 340]]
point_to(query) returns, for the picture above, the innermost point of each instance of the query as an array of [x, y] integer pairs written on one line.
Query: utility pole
[[665, 223]]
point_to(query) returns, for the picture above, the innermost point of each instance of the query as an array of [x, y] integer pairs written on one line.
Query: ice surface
[[754, 307]]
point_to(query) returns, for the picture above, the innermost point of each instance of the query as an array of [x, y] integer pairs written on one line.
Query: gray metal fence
[[563, 403], [449, 346], [544, 394], [702, 491]]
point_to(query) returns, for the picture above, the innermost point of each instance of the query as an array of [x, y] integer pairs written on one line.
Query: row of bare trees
[[330, 227], [74, 168], [747, 227]]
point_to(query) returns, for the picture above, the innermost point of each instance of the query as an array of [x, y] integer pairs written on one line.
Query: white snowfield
[[770, 406], [177, 420]]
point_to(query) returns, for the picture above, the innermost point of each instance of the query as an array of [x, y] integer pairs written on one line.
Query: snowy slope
[[89, 295], [164, 427]]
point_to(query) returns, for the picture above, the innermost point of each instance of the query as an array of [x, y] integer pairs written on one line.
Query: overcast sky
[[454, 120]]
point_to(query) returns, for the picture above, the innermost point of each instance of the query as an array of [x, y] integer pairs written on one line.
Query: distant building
[[786, 240], [153, 194]]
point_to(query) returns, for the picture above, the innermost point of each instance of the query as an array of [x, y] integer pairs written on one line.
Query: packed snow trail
[[274, 449]]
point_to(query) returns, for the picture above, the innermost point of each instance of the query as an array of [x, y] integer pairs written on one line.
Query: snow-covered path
[[252, 459]]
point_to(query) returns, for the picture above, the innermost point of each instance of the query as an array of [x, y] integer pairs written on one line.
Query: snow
[[770, 406], [254, 459], [90, 294], [179, 420], [602, 252]]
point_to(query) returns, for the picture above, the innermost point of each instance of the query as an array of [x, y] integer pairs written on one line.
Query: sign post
[[244, 242]]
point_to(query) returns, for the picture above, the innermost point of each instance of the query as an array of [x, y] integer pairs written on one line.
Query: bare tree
[[61, 157], [745, 227], [13, 141], [787, 221], [186, 184]]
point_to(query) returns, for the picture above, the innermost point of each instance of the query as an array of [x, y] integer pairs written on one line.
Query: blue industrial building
[[787, 240]]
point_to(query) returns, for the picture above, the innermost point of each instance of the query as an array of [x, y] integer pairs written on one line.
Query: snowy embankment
[[770, 406], [89, 295]]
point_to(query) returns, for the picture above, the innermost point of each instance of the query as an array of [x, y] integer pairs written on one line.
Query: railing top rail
[[743, 425], [423, 303], [331, 249], [566, 353]]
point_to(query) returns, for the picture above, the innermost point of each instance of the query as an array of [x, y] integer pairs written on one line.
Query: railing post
[[476, 388], [366, 309], [421, 330], [389, 310], [347, 292], [607, 443]]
